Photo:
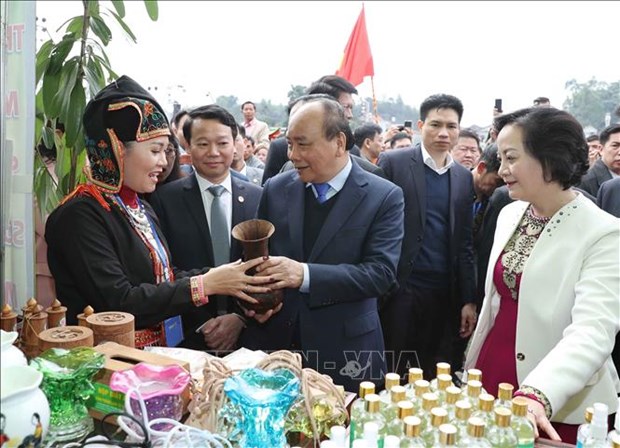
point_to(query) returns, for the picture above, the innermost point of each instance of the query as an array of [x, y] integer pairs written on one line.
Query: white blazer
[[568, 310]]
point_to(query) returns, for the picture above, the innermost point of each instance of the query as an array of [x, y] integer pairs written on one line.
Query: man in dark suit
[[334, 251], [436, 269], [608, 197], [184, 210], [338, 88], [608, 165]]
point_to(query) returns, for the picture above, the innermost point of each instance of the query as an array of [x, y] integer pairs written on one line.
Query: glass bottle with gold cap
[[390, 411], [584, 430], [447, 435], [429, 401], [475, 435], [395, 426], [453, 394], [373, 414], [358, 407], [502, 435], [463, 410], [413, 375], [442, 368], [485, 409], [475, 375], [430, 434], [412, 437], [421, 387], [391, 380], [443, 382], [472, 392], [521, 424], [504, 395]]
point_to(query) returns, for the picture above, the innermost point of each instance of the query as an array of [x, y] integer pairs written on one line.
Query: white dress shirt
[[430, 162]]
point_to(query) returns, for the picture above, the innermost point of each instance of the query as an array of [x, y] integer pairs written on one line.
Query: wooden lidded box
[[112, 326]]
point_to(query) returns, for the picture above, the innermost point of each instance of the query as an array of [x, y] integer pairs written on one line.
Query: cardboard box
[[120, 357]]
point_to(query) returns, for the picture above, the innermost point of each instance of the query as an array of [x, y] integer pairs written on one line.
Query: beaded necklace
[[142, 224]]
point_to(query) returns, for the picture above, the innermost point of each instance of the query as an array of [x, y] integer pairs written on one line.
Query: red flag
[[357, 59]]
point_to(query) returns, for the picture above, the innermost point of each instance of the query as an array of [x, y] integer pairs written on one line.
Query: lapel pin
[[241, 199]]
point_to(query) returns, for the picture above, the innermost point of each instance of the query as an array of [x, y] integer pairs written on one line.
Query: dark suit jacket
[[608, 197], [184, 223], [595, 176], [405, 168], [363, 163], [352, 263]]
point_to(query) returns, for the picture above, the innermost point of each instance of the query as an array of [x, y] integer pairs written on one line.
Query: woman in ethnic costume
[[105, 248], [552, 303]]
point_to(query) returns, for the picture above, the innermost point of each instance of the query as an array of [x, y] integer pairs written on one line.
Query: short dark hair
[[554, 138], [248, 102], [541, 100], [470, 133], [250, 139], [606, 133], [366, 130], [210, 112], [441, 101], [399, 136], [334, 120], [592, 138], [177, 118], [331, 85], [241, 130], [490, 159]]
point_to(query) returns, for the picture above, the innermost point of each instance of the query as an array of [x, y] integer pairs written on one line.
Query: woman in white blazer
[[552, 291]]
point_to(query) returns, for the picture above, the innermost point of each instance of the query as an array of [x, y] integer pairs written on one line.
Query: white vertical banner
[[17, 151]]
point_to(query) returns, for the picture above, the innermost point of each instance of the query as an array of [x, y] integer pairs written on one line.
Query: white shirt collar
[[337, 182], [203, 183], [430, 162]]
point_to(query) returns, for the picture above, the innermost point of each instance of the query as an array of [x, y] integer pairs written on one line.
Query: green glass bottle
[[485, 409], [453, 394], [443, 382], [502, 435], [472, 392], [521, 424], [390, 411], [391, 380], [447, 435], [462, 414], [429, 401], [442, 368], [371, 414]]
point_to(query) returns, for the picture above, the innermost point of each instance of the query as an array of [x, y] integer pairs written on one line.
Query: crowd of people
[[394, 248]]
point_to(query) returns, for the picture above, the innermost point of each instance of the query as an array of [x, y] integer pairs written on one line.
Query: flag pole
[[374, 100]]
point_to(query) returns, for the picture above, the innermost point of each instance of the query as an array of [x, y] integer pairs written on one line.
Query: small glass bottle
[[598, 427], [502, 435], [475, 435], [412, 437], [371, 414], [485, 409], [429, 401], [472, 392], [414, 375], [390, 411], [391, 380], [442, 368], [358, 407], [474, 374], [453, 394], [447, 435], [421, 387], [521, 424], [463, 410], [443, 382], [396, 426], [504, 395], [584, 430], [431, 433]]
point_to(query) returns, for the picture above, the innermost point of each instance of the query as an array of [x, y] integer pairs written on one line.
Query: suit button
[[419, 238], [520, 356]]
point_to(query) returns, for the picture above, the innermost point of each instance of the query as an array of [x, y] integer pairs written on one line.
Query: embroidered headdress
[[122, 111]]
